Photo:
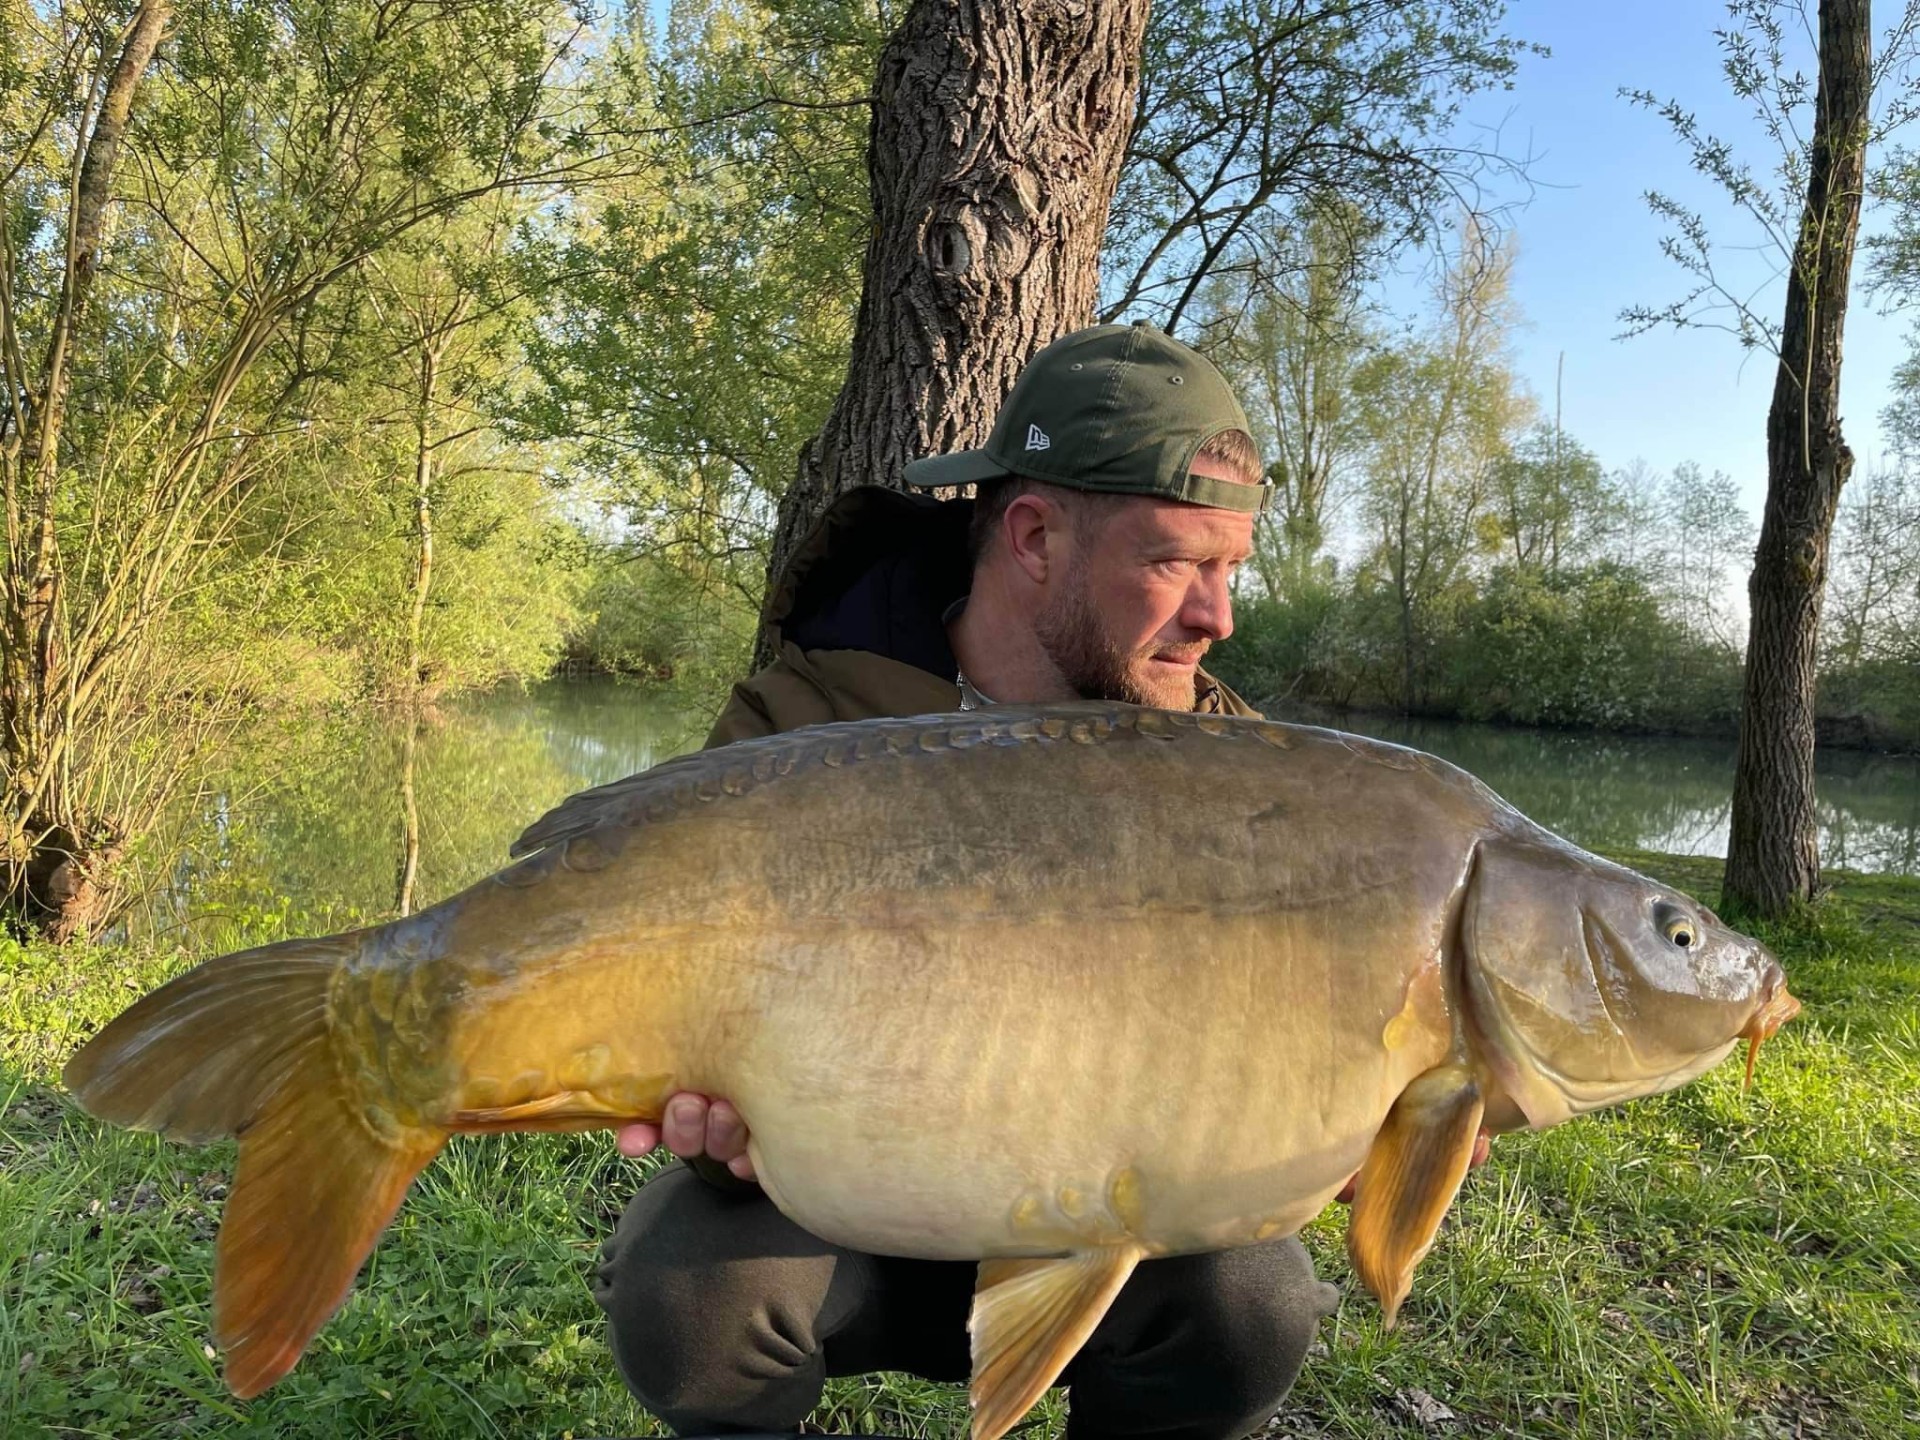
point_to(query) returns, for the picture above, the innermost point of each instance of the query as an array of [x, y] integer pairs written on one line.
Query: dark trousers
[[726, 1316]]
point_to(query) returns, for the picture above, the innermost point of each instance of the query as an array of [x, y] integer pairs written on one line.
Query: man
[[1117, 495]]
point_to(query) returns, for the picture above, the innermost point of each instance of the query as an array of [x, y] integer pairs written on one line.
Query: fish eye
[[1678, 926]]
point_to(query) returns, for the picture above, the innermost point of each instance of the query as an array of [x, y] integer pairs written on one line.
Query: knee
[[1259, 1302], [708, 1336], [1257, 1310], [715, 1361]]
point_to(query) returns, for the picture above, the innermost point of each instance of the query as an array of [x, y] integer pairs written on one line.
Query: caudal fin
[[241, 1046]]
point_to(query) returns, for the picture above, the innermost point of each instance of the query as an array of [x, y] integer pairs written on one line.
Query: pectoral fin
[[1030, 1317], [1410, 1178]]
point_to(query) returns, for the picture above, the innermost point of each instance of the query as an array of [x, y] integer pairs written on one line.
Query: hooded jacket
[[859, 621]]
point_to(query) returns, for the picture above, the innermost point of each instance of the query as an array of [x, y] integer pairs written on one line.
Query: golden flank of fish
[[1050, 988]]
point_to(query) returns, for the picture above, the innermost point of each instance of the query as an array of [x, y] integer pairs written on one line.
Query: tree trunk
[[52, 863], [999, 127], [423, 476], [1773, 857]]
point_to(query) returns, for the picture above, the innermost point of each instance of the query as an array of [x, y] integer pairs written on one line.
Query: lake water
[[306, 827]]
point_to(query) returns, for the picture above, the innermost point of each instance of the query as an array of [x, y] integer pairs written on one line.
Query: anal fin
[[1409, 1179], [1030, 1317]]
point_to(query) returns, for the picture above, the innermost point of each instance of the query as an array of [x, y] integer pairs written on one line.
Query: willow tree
[[180, 194], [999, 128]]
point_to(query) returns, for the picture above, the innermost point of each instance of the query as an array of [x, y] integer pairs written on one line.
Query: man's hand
[[693, 1125], [1482, 1147]]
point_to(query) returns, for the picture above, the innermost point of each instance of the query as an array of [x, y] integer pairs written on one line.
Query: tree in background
[[1812, 218], [171, 234], [1707, 531], [1255, 113], [998, 133], [1437, 413], [1548, 502], [700, 310], [1870, 646], [1292, 346]]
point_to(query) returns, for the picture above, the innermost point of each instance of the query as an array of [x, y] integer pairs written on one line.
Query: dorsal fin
[[708, 775]]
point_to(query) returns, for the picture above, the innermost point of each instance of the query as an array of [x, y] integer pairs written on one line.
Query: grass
[[1706, 1263]]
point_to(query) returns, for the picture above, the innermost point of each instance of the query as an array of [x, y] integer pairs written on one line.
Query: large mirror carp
[[1054, 988]]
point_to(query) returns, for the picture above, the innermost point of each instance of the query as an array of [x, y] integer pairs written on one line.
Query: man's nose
[[1209, 606]]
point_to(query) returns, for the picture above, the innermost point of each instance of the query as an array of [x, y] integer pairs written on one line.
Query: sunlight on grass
[[1706, 1263]]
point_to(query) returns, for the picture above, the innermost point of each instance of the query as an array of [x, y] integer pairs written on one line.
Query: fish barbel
[[1053, 988]]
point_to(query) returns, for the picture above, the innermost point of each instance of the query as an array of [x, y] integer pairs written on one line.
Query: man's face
[[1143, 596]]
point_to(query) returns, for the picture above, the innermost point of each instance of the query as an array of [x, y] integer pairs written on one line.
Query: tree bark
[[409, 869], [999, 127], [1773, 859]]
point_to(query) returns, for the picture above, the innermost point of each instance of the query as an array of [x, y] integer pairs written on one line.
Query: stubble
[[1075, 637]]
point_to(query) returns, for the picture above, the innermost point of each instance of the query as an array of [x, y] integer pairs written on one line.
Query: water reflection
[[308, 828]]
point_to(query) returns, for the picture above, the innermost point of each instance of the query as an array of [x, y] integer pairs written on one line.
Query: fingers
[[635, 1141], [726, 1132], [684, 1126], [692, 1126]]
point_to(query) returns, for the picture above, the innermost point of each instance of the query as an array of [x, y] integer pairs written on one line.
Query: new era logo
[[1037, 438]]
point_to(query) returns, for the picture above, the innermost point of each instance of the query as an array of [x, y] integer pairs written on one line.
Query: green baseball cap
[[1117, 408]]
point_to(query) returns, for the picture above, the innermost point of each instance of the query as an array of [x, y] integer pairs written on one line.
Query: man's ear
[[1034, 529]]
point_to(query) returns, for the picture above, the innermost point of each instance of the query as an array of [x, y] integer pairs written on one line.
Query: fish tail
[[242, 1045]]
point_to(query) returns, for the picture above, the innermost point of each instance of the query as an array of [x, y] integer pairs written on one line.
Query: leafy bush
[[1589, 646]]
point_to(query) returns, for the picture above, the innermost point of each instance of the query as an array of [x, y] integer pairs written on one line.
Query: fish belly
[[1030, 1090]]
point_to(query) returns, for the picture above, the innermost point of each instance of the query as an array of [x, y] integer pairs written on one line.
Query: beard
[[1075, 637]]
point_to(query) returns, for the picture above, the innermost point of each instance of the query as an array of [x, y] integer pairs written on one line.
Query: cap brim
[[963, 467]]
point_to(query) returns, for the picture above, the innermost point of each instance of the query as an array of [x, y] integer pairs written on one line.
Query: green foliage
[[1873, 702], [1281, 645], [702, 329], [649, 618], [1589, 647]]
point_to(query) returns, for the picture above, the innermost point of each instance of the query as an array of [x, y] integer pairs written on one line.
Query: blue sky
[[1588, 246]]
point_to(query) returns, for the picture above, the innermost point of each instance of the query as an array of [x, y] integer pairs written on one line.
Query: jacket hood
[[878, 572]]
